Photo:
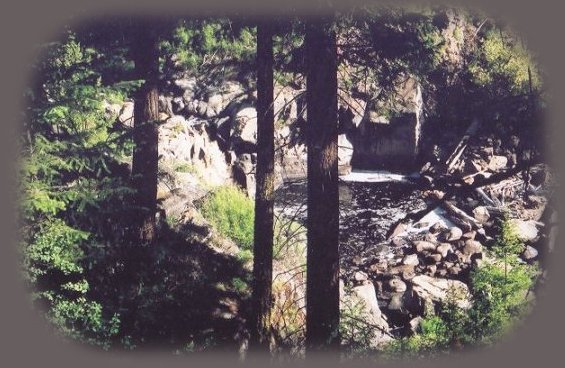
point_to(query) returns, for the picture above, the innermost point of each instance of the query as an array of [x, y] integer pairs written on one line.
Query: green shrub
[[185, 167], [56, 253], [232, 213], [505, 62], [499, 289], [500, 293], [431, 340]]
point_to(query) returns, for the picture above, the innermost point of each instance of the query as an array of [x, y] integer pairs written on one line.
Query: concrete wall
[[390, 146]]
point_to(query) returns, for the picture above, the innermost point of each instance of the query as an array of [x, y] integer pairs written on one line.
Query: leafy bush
[[232, 213], [505, 63], [432, 339], [70, 189], [500, 288]]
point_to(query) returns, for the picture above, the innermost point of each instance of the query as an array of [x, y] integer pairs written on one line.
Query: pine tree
[[264, 197], [146, 134], [322, 289]]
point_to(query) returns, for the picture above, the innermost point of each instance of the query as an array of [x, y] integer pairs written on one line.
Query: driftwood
[[453, 186], [495, 210], [457, 213], [463, 225], [456, 155], [486, 199]]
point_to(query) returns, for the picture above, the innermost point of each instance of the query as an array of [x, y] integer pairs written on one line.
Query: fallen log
[[453, 187], [495, 210], [486, 199], [463, 225], [461, 215], [460, 148]]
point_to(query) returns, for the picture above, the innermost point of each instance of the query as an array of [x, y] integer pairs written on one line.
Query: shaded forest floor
[[178, 293]]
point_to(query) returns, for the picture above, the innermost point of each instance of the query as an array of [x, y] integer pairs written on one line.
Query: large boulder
[[411, 260], [365, 297], [454, 233], [284, 104], [481, 214], [428, 291], [218, 100], [472, 247], [188, 147], [525, 230], [244, 126], [243, 173], [530, 253], [126, 114], [424, 246]]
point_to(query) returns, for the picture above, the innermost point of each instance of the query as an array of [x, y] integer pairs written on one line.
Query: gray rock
[[437, 228], [469, 235], [410, 259], [177, 105], [441, 272], [525, 230], [444, 249], [433, 258], [396, 285], [429, 237], [431, 269], [360, 276], [415, 324], [408, 275], [497, 163], [366, 296], [455, 270], [186, 84], [435, 290], [398, 230], [244, 126], [451, 258], [345, 154], [454, 233], [530, 253], [472, 247], [422, 245], [126, 114], [244, 173], [396, 303], [481, 214]]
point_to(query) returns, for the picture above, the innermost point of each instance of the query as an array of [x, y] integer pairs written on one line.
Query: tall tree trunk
[[322, 285], [264, 197], [146, 136]]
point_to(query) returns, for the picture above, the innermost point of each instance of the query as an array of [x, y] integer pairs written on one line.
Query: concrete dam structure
[[388, 136]]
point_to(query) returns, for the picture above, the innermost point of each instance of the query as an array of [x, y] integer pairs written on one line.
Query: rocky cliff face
[[212, 131]]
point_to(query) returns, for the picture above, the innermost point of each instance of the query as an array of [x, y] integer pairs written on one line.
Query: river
[[370, 203]]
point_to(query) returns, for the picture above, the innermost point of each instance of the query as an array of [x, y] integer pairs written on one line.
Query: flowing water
[[370, 203]]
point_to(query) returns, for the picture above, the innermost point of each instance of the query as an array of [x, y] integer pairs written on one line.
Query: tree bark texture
[[322, 286], [264, 197], [146, 135]]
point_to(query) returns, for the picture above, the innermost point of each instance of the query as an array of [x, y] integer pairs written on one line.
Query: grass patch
[[231, 212], [185, 167]]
